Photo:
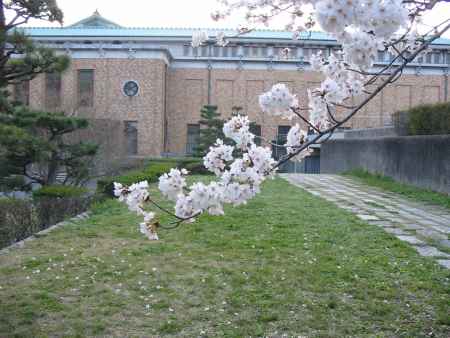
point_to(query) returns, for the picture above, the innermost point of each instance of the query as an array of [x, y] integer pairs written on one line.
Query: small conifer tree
[[211, 126]]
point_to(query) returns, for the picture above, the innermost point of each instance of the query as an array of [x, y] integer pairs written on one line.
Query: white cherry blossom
[[217, 157], [172, 183], [278, 101], [238, 129], [198, 38]]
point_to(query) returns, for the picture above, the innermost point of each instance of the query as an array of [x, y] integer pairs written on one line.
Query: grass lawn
[[286, 263], [408, 191]]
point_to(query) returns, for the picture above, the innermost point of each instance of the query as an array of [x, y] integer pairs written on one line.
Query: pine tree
[[211, 126], [33, 143]]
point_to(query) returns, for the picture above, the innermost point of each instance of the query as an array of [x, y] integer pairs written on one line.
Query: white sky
[[175, 13]]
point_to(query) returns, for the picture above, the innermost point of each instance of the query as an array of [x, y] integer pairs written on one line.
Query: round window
[[131, 88]]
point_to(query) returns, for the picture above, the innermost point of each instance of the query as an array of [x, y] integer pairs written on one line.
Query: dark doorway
[[131, 137]]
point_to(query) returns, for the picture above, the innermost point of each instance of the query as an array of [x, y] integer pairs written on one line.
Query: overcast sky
[[173, 13]]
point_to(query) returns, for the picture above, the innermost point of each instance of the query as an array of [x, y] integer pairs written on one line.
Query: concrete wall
[[371, 132], [423, 161]]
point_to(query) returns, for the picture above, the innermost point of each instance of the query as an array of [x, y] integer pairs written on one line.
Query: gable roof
[[95, 21]]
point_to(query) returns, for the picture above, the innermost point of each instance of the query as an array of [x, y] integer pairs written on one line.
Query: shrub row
[[21, 218], [151, 173], [428, 119], [59, 191]]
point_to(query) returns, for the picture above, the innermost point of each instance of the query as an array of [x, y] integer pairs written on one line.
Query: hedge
[[151, 173], [21, 218], [59, 191], [427, 119]]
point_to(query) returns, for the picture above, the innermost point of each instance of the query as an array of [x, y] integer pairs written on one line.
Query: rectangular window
[[265, 52], [204, 51], [193, 134], [428, 58], [306, 53], [234, 51], [279, 52], [216, 51], [186, 50], [282, 134], [225, 51], [279, 152], [131, 137], [53, 90], [437, 58], [255, 129], [246, 50], [22, 92], [86, 88], [380, 56]]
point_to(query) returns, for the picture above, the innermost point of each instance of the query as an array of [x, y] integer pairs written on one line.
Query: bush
[[197, 168], [18, 220], [151, 173], [11, 182], [428, 119], [59, 191], [21, 218]]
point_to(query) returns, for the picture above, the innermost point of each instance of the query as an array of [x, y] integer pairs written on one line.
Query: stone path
[[425, 227]]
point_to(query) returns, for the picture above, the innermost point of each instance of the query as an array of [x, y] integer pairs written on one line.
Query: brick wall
[[109, 102], [186, 91]]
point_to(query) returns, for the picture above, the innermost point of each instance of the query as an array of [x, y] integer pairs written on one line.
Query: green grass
[[408, 191], [286, 263]]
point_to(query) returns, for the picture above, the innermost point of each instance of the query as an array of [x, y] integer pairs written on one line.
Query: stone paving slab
[[425, 227]]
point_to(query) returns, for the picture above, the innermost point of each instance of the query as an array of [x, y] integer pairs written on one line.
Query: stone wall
[[423, 161]]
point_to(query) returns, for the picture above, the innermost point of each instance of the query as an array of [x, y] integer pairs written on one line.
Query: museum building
[[154, 82]]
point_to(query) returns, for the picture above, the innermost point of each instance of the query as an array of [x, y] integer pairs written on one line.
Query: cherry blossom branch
[[242, 168], [364, 102]]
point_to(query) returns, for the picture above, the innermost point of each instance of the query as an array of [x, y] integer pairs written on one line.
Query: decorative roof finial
[[97, 12]]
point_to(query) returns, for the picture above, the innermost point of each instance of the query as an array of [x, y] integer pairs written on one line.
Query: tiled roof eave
[[181, 34]]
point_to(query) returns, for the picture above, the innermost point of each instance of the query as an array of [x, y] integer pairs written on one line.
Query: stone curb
[[21, 243]]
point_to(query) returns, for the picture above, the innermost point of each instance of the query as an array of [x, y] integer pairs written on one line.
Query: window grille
[[193, 134], [255, 129]]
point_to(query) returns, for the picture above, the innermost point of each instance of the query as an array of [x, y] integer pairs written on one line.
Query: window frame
[[59, 92], [127, 124], [188, 147], [79, 71]]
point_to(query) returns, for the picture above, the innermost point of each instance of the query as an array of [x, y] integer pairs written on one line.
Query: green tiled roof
[[70, 31], [96, 26], [160, 32]]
